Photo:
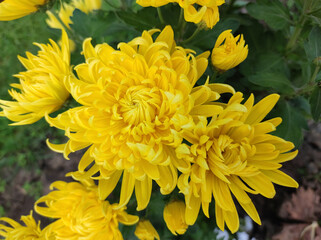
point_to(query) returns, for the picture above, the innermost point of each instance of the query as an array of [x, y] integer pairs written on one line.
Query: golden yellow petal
[[262, 184], [251, 211], [261, 109], [143, 191], [280, 178], [106, 186], [191, 212]]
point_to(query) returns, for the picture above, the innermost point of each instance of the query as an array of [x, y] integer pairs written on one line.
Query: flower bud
[[228, 51], [146, 231], [174, 216]]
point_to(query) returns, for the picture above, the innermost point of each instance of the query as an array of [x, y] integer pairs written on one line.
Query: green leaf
[[93, 24], [313, 46], [315, 102], [275, 80], [274, 13], [144, 19], [268, 61], [293, 122]]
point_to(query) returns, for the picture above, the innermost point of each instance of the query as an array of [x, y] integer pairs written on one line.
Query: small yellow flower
[[146, 231], [65, 13], [196, 11], [31, 230], [174, 216], [153, 3], [234, 153], [205, 11], [81, 214], [41, 89], [228, 51], [87, 6], [134, 103], [14, 9]]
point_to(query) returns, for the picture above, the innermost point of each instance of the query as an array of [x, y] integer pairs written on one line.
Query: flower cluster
[[196, 11], [135, 102], [144, 117]]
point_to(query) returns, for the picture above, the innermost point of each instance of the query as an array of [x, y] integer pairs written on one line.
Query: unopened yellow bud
[[228, 51], [174, 216]]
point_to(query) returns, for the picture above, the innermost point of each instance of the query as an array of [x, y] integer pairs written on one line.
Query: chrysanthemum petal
[[191, 212], [280, 178], [262, 184], [262, 108], [143, 191], [106, 186]]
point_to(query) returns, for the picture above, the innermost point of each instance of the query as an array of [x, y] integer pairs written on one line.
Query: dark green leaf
[[144, 19], [91, 25], [313, 46], [268, 61], [293, 122], [274, 13], [275, 80], [315, 102]]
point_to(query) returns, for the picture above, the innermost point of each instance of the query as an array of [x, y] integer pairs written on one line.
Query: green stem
[[314, 76], [309, 87], [181, 32], [298, 28], [198, 29], [213, 78], [160, 15], [181, 19]]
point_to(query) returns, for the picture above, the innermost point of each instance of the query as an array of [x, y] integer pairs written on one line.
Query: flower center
[[139, 104], [229, 155]]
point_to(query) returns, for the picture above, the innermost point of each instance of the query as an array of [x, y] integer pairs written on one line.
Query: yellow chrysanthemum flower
[[174, 216], [134, 103], [195, 11], [81, 214], [31, 231], [13, 9], [41, 88], [228, 51], [146, 231], [235, 153]]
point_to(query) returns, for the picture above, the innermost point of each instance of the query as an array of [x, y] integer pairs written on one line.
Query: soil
[[291, 213]]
